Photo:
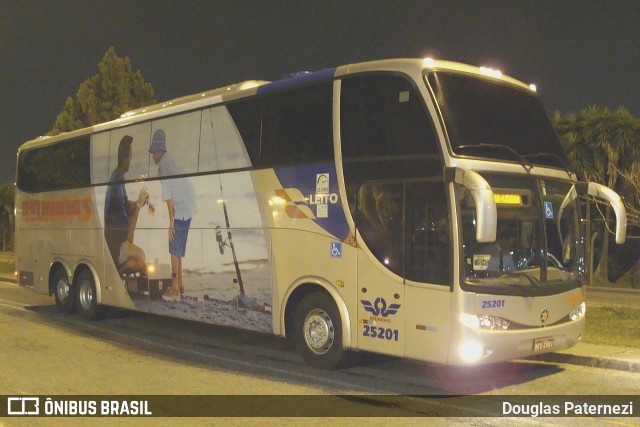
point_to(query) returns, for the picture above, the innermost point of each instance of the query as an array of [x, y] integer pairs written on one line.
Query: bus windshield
[[496, 121], [536, 251]]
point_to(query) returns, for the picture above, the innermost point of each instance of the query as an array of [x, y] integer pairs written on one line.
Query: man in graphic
[[121, 215], [181, 203]]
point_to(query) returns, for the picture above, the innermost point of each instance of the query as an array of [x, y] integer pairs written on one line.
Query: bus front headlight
[[484, 321], [578, 313]]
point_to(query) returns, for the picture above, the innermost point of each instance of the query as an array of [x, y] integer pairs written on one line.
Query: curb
[[628, 291], [591, 361], [8, 278]]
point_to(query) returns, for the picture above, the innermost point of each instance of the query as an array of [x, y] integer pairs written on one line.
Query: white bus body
[[414, 208]]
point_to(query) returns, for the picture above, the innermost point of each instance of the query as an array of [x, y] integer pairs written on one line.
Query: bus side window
[[181, 136], [221, 146], [428, 233], [380, 222], [386, 131], [247, 116], [297, 127], [55, 167], [139, 166]]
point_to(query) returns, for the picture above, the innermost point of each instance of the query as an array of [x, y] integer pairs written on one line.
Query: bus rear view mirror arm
[[603, 192], [486, 213]]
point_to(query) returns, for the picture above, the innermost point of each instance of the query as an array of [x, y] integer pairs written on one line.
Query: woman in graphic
[[181, 203], [121, 215]]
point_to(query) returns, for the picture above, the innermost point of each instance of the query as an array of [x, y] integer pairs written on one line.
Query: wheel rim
[[319, 332], [85, 295], [62, 289]]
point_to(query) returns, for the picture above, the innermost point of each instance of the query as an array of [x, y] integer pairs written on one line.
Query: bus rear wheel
[[317, 331], [87, 297], [63, 292]]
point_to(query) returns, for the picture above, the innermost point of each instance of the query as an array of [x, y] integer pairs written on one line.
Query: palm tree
[[602, 145]]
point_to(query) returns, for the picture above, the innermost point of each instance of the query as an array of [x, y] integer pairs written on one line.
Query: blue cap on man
[[158, 141]]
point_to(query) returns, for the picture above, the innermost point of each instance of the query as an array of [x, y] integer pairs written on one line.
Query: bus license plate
[[542, 344]]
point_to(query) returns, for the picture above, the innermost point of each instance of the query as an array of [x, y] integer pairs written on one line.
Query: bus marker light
[[579, 312]]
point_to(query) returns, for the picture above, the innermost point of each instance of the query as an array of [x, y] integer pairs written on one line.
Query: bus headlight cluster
[[578, 313], [484, 321]]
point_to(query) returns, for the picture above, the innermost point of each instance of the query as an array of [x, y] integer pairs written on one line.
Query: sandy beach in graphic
[[212, 298]]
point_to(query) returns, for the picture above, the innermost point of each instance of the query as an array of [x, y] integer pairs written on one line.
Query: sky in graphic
[[577, 52]]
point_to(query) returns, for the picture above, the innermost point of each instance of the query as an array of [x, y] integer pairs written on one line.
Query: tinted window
[[427, 233], [221, 145], [406, 227], [247, 115], [383, 116], [297, 127], [386, 132], [478, 111], [55, 167]]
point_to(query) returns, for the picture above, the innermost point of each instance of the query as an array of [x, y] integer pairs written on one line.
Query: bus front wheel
[[317, 331], [87, 297], [63, 292]]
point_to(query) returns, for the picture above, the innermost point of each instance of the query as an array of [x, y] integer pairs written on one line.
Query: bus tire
[[317, 331], [87, 297], [63, 292]]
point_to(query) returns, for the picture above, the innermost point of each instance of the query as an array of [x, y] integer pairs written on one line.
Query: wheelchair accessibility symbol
[[336, 250], [548, 210]]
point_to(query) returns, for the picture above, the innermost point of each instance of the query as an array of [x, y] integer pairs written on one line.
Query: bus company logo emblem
[[544, 316], [294, 203], [379, 307]]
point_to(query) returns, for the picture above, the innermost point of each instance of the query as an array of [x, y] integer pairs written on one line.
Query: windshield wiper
[[534, 283], [519, 157], [554, 156]]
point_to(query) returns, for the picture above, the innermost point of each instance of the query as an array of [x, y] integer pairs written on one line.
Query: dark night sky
[[578, 52]]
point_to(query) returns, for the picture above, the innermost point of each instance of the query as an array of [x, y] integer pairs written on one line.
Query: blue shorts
[[178, 245]]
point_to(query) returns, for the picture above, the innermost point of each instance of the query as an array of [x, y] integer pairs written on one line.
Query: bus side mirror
[[486, 213], [603, 192]]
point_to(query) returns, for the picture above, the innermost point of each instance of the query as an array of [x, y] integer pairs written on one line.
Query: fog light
[[579, 312], [470, 351]]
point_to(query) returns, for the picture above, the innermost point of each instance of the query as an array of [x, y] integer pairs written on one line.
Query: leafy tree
[[6, 215], [6, 195], [105, 96], [604, 146]]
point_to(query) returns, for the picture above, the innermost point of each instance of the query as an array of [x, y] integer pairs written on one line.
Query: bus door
[[380, 224], [428, 270], [404, 268]]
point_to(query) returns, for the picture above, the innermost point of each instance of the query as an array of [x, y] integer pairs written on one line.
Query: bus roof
[[251, 87]]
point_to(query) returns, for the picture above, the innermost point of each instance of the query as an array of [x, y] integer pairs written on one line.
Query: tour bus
[[414, 207]]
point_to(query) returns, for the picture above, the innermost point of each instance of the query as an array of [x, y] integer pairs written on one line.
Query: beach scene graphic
[[225, 271], [212, 277]]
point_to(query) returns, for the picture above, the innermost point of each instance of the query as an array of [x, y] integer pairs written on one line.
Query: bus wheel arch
[[317, 327], [62, 288], [87, 293]]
